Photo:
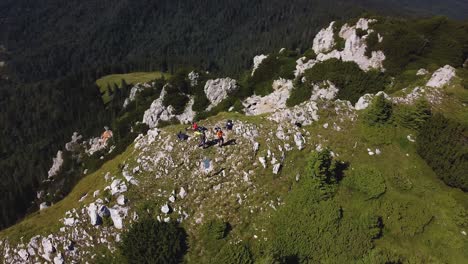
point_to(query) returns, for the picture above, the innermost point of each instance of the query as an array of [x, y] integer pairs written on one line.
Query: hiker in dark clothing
[[201, 133], [229, 125], [181, 136]]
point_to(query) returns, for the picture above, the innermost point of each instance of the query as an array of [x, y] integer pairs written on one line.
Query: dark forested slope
[[50, 38]]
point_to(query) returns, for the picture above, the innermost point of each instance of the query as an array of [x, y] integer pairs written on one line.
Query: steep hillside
[[56, 49], [342, 154]]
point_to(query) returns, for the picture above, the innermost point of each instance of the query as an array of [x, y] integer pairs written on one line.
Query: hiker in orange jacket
[[219, 135]]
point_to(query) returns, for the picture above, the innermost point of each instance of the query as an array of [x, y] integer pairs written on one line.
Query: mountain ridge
[[264, 183]]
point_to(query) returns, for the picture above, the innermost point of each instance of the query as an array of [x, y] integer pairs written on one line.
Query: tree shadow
[[341, 167]]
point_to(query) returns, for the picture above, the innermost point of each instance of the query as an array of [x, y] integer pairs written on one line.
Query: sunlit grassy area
[[422, 218], [130, 78]]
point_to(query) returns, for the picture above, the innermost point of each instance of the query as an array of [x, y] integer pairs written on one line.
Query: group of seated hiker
[[200, 131]]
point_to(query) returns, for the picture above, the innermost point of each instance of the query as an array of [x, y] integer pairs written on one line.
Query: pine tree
[[379, 112]]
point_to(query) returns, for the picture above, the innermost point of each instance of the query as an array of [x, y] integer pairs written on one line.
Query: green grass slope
[[387, 208], [114, 80]]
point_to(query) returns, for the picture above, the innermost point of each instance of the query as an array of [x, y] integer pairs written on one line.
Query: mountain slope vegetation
[[345, 173], [44, 44]]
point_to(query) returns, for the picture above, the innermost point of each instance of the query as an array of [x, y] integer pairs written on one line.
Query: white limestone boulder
[[365, 100], [182, 193], [219, 89], [93, 214], [442, 77], [56, 164], [256, 105], [305, 114], [257, 60], [302, 64], [193, 77], [421, 72], [324, 40], [325, 91]]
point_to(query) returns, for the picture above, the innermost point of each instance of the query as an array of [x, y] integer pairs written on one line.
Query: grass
[[46, 221], [130, 78], [422, 217]]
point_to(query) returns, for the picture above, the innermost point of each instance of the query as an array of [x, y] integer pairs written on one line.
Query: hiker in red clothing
[[194, 126]]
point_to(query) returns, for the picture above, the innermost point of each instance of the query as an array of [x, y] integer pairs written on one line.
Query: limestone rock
[[218, 89], [73, 145], [262, 161], [56, 165], [165, 209], [182, 193], [331, 55], [193, 77], [137, 88], [302, 66], [121, 199], [363, 23], [117, 214], [365, 100], [47, 246], [257, 60], [355, 46], [24, 255], [299, 140], [276, 168], [442, 77], [118, 186], [158, 111], [43, 206], [305, 114], [188, 115], [103, 211], [326, 91], [422, 71], [69, 221], [256, 105], [324, 40], [93, 214], [172, 198], [58, 259]]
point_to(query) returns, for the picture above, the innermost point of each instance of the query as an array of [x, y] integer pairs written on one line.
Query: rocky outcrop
[[56, 165], [256, 105], [305, 114], [324, 91], [188, 115], [94, 218], [324, 40], [421, 72], [137, 88], [365, 100], [302, 66], [257, 60], [331, 55], [355, 46], [158, 112], [193, 77], [219, 89], [442, 77], [74, 143]]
